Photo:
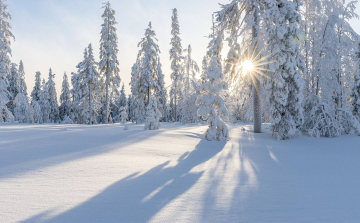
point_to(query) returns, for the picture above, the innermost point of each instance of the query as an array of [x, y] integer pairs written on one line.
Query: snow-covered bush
[[22, 110], [123, 117], [211, 104], [348, 121], [153, 115], [319, 120]]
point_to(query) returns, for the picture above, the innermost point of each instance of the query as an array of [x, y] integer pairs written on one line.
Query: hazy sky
[[54, 33]]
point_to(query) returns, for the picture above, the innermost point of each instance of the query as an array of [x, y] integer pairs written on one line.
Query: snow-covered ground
[[73, 173]]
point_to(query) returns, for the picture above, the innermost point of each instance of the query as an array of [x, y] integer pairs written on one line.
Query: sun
[[247, 66]]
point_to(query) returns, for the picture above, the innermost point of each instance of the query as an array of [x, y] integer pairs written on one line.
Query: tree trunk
[[256, 82], [107, 94], [90, 105]]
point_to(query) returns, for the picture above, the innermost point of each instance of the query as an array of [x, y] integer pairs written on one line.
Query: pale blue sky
[[54, 33]]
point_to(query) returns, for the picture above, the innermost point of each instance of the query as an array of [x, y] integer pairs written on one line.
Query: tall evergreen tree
[[211, 104], [54, 106], [35, 94], [22, 83], [44, 104], [23, 112], [109, 64], [187, 108], [65, 99], [35, 99], [287, 84], [146, 73], [13, 87], [5, 63], [176, 60], [89, 79], [161, 92]]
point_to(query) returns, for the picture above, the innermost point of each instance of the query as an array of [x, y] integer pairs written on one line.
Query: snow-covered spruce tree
[[44, 105], [65, 100], [54, 106], [211, 104], [109, 64], [355, 95], [35, 94], [286, 96], [176, 61], [23, 112], [161, 93], [22, 83], [146, 76], [153, 115], [5, 63], [139, 99], [88, 77], [187, 107], [119, 101], [35, 99], [13, 87]]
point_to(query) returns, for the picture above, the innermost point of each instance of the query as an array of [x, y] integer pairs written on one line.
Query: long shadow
[[299, 180], [46, 145], [139, 198]]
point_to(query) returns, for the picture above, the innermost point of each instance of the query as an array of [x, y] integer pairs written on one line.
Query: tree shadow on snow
[[138, 198], [49, 145]]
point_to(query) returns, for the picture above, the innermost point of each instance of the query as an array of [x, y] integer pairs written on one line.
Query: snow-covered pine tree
[[176, 61], [35, 99], [44, 105], [161, 93], [109, 64], [13, 87], [153, 115], [138, 100], [35, 94], [145, 73], [65, 99], [22, 83], [211, 104], [75, 97], [22, 110], [89, 79], [355, 95], [187, 107], [54, 106], [282, 20], [5, 63]]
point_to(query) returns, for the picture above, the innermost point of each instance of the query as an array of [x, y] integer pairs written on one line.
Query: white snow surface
[[75, 173]]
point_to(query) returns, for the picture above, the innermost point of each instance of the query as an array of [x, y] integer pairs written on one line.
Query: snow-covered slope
[[73, 173]]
